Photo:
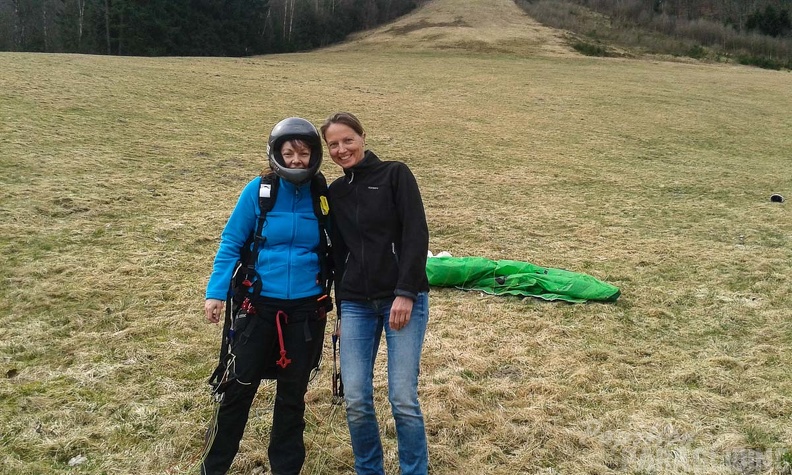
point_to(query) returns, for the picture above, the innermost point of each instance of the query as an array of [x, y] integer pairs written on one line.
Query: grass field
[[117, 175]]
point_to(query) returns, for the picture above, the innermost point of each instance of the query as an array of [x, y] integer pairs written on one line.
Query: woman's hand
[[400, 312], [213, 308]]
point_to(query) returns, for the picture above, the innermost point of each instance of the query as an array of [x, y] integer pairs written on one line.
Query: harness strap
[[283, 362]]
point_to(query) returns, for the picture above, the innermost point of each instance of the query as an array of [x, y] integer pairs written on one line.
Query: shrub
[[590, 49], [697, 52], [761, 62]]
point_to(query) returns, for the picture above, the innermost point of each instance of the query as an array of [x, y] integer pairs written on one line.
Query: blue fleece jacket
[[288, 263]]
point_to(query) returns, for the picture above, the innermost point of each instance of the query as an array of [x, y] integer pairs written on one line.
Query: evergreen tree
[[187, 27]]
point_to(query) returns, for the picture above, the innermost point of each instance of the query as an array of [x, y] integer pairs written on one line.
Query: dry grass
[[118, 174]]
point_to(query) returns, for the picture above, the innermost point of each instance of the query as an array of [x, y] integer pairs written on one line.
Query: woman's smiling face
[[296, 154], [346, 146]]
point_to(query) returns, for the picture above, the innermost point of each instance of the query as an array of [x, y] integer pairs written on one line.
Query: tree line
[[754, 32], [769, 17], [187, 27]]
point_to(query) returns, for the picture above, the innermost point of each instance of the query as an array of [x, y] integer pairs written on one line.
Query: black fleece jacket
[[379, 232]]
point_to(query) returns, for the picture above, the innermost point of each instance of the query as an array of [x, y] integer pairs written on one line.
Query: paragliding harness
[[245, 285]]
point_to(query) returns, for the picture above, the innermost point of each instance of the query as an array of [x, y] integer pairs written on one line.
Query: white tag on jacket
[[264, 191]]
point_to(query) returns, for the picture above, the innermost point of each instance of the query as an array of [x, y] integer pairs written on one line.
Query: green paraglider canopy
[[517, 278]]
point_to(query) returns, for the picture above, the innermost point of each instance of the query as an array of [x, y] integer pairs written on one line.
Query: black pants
[[256, 349]]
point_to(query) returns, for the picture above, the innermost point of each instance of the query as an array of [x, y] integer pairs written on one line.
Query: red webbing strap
[[283, 361]]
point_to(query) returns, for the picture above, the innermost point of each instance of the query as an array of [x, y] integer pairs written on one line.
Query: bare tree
[[291, 19], [287, 20], [80, 22], [44, 26]]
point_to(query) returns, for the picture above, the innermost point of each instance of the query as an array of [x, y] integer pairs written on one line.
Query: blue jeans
[[362, 323]]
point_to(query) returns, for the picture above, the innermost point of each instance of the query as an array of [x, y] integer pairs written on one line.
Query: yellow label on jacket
[[324, 205]]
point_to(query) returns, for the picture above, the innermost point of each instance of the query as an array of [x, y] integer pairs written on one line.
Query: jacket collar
[[291, 187], [370, 160]]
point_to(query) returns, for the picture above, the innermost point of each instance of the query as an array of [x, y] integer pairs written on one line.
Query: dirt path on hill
[[483, 26]]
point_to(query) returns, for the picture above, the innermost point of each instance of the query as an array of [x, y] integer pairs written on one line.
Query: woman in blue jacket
[[380, 242], [277, 326]]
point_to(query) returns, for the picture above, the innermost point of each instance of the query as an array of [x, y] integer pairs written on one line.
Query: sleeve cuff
[[404, 293]]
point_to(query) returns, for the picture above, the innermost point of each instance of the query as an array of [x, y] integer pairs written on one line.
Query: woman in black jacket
[[380, 243]]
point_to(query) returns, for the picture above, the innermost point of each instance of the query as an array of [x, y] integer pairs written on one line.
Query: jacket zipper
[[360, 237], [291, 247]]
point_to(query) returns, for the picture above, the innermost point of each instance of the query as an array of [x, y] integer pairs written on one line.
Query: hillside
[[496, 26], [117, 175]]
